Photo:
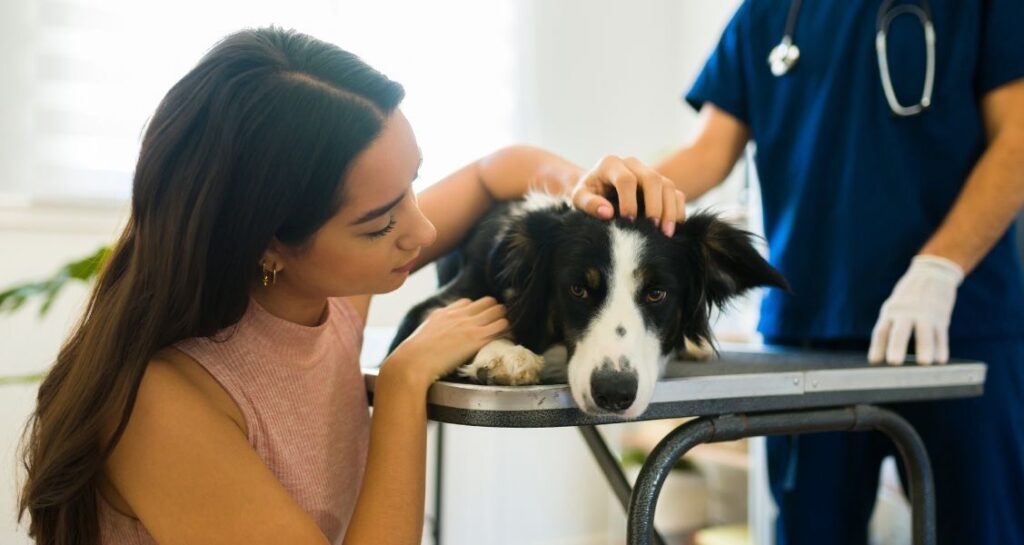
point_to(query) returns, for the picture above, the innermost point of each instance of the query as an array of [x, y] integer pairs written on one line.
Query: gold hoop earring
[[269, 277]]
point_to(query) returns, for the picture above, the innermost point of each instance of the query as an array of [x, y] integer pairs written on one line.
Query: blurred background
[[581, 77]]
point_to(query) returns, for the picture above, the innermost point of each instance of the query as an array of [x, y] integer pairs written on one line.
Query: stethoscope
[[784, 56]]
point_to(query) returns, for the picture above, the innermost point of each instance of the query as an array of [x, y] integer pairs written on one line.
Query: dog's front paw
[[697, 351], [505, 363]]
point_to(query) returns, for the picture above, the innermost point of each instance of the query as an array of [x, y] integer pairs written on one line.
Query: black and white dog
[[620, 296]]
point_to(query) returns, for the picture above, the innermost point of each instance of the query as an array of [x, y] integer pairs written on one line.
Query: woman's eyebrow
[[378, 212]]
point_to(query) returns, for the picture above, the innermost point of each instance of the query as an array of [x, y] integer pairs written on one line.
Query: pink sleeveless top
[[302, 394]]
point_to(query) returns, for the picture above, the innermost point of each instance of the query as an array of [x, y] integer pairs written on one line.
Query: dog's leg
[[504, 362], [696, 351], [556, 365]]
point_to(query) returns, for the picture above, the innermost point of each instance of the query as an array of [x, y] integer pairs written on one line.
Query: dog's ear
[[519, 271], [726, 257], [720, 261]]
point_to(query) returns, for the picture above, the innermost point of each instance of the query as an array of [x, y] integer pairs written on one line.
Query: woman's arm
[[390, 506], [455, 203]]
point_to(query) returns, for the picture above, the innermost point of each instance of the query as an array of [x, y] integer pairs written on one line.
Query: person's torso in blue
[[850, 192]]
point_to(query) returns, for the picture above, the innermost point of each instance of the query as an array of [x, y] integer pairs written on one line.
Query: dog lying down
[[607, 303]]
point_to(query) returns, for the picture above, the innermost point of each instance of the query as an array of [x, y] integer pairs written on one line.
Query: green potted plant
[[683, 503], [13, 298]]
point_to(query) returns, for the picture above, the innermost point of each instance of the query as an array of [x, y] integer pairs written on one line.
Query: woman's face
[[372, 242]]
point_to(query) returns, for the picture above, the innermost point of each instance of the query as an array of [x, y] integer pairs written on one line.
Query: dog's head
[[620, 295]]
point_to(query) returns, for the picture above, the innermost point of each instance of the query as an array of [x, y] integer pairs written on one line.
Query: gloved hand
[[922, 303]]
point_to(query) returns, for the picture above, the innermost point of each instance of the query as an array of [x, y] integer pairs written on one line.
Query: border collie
[[620, 296]]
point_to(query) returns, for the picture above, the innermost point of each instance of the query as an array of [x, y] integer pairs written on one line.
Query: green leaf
[[13, 298], [22, 379], [87, 268], [81, 270]]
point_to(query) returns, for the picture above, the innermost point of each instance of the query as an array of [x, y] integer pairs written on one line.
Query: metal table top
[[741, 380]]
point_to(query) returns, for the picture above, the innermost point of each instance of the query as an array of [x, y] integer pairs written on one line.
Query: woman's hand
[[448, 338], [663, 203]]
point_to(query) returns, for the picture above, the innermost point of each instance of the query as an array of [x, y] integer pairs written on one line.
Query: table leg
[[438, 483], [710, 429]]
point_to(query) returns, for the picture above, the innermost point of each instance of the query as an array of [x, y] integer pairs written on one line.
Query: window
[[96, 70]]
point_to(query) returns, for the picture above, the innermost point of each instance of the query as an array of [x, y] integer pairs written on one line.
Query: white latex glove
[[921, 303]]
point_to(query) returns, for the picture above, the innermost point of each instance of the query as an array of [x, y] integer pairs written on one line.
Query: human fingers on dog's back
[[667, 221], [650, 184], [451, 335], [459, 303], [587, 196], [489, 314], [610, 172], [463, 308], [674, 211], [482, 303], [497, 327], [625, 182], [664, 205], [480, 312], [680, 206], [632, 180]]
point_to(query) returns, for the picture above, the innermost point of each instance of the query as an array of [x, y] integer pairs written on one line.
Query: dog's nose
[[613, 390]]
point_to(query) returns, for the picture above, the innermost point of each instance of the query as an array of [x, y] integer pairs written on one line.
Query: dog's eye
[[655, 296], [578, 291]]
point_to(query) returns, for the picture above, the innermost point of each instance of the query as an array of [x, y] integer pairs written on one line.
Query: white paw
[[505, 363], [702, 351]]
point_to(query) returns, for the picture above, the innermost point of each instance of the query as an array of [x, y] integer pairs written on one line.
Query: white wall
[[601, 76], [607, 76]]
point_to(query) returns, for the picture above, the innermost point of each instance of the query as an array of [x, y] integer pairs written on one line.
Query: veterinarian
[[890, 152], [271, 198]]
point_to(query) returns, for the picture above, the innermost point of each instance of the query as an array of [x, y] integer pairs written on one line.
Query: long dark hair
[[253, 143]]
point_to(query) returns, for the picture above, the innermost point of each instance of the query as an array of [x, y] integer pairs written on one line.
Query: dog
[[600, 304]]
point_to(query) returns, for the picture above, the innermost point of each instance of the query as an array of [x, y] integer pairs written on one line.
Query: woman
[[271, 198]]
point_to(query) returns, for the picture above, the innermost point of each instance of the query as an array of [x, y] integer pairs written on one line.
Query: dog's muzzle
[[614, 389]]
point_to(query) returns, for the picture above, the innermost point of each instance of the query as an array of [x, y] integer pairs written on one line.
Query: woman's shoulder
[[170, 461], [171, 379], [173, 365], [173, 374]]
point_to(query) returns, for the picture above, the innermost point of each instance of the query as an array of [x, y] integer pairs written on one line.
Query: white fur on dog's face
[[617, 336]]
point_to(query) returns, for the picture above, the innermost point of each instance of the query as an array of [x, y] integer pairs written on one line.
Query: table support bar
[[731, 427]]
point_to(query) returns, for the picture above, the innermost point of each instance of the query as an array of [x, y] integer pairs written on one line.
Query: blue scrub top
[[851, 192]]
